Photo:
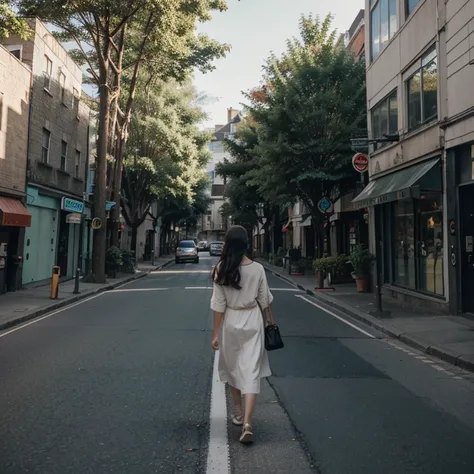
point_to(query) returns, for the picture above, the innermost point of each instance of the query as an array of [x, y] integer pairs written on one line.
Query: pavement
[[122, 383], [450, 338], [34, 301]]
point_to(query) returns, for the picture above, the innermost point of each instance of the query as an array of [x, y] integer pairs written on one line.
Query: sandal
[[238, 420], [247, 435]]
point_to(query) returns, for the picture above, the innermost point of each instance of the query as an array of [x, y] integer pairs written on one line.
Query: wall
[[15, 82]]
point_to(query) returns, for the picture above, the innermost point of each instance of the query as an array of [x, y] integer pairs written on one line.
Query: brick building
[[57, 152], [15, 83]]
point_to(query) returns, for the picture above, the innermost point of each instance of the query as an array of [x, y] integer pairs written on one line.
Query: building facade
[[57, 154], [15, 84], [420, 101]]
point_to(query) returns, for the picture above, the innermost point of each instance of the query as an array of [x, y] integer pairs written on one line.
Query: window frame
[[43, 148], [15, 47], [423, 62], [75, 98], [62, 86], [374, 4], [407, 7], [77, 163], [64, 153], [47, 73], [387, 100]]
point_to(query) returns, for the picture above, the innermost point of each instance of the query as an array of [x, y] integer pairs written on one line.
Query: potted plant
[[114, 261], [361, 260], [298, 268], [323, 267]]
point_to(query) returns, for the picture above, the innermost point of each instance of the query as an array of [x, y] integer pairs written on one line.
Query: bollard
[[55, 282], [76, 281], [152, 258]]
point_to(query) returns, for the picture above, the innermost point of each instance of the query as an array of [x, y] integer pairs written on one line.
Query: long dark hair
[[227, 271]]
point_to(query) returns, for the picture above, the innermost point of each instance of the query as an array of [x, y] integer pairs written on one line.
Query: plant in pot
[[361, 260], [298, 268], [114, 260], [323, 267]]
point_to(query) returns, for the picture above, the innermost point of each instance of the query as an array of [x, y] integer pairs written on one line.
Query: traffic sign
[[360, 162], [326, 206]]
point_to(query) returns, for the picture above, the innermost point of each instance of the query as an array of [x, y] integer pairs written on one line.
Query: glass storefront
[[413, 232]]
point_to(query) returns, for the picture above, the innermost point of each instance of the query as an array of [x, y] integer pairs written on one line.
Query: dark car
[[187, 251], [215, 249]]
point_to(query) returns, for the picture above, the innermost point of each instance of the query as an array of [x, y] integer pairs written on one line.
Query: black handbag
[[273, 340]]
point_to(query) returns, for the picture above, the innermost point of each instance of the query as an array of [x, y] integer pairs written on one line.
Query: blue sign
[[326, 206], [71, 205], [109, 205]]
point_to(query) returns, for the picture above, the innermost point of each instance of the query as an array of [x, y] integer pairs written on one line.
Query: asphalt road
[[121, 383]]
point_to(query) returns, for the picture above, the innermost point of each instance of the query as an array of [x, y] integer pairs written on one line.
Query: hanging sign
[[96, 223], [73, 218], [360, 162], [71, 205], [326, 206]]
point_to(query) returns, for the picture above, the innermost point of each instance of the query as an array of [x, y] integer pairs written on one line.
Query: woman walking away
[[240, 286]]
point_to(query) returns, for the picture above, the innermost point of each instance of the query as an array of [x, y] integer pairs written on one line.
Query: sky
[[254, 28]]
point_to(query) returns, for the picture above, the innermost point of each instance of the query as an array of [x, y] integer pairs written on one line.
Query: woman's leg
[[250, 400], [237, 398]]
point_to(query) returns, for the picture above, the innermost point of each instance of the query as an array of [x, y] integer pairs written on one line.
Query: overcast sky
[[254, 28]]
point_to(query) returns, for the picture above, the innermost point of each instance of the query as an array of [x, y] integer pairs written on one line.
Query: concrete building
[[419, 94], [57, 150], [213, 226], [15, 84]]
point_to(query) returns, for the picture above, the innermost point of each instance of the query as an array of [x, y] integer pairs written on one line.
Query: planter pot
[[362, 283]]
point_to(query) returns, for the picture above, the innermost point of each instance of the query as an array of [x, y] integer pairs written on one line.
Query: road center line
[[138, 289], [218, 454], [334, 315]]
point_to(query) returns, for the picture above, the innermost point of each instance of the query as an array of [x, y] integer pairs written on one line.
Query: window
[[48, 72], [385, 117], [16, 50], [422, 91], [63, 155], [77, 162], [45, 146], [410, 5], [404, 251], [383, 24], [62, 87], [75, 99]]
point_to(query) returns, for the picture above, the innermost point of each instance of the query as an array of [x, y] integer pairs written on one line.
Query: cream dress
[[243, 360]]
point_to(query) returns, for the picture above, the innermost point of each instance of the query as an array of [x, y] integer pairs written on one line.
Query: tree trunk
[[133, 244], [116, 193], [100, 235]]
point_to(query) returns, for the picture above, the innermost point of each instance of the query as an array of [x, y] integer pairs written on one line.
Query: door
[[63, 243], [466, 194]]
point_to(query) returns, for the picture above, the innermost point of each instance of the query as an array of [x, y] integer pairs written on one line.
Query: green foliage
[[11, 24], [114, 258], [336, 266], [361, 260]]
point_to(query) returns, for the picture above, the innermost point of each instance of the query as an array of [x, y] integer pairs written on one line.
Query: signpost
[[326, 206]]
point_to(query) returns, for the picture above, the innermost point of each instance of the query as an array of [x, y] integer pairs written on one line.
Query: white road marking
[[218, 454], [170, 272], [336, 316], [138, 289], [296, 290], [197, 288], [34, 321]]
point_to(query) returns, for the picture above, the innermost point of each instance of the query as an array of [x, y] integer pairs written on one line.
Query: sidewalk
[[21, 306], [450, 338]]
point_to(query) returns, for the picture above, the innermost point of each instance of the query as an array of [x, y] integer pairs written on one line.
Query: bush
[[336, 266], [361, 260], [114, 259]]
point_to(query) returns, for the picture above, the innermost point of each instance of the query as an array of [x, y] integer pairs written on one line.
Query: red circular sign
[[360, 162]]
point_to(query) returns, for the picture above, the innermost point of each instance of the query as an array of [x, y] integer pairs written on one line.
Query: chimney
[[231, 113]]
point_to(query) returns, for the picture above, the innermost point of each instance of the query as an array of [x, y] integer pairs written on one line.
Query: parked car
[[216, 249], [187, 251], [202, 246]]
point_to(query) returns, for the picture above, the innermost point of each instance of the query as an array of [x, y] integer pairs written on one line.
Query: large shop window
[[383, 24], [422, 91], [385, 117], [418, 246]]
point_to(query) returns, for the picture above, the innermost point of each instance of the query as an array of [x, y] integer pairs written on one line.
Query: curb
[[73, 299], [453, 358]]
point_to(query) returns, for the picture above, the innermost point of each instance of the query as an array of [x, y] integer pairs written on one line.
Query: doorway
[[63, 243], [466, 198]]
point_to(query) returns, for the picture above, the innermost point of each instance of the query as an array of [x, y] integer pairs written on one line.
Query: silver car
[[216, 249], [187, 252]]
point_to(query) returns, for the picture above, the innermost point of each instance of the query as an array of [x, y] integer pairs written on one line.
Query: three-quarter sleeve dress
[[243, 360]]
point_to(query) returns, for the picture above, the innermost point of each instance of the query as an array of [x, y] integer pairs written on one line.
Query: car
[[187, 251], [202, 246], [215, 249]]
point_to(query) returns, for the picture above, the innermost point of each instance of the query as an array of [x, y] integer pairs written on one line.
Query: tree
[[311, 105], [104, 32], [11, 24]]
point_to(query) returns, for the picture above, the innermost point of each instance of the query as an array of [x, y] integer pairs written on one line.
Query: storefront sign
[[71, 205], [360, 162], [326, 206], [73, 218], [109, 205]]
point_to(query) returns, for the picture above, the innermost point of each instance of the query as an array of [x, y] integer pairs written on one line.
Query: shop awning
[[399, 185], [13, 213]]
